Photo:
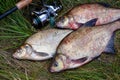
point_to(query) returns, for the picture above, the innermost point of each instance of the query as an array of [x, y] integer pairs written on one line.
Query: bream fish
[[83, 45], [83, 13], [41, 45]]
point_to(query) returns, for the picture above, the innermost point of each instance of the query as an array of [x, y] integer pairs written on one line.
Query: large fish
[[83, 13], [83, 45], [42, 45]]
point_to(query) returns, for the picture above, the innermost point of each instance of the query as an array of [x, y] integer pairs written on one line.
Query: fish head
[[59, 63], [63, 62], [63, 22], [27, 52], [67, 22], [23, 52]]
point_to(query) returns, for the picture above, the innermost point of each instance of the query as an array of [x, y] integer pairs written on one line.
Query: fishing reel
[[40, 17], [40, 13]]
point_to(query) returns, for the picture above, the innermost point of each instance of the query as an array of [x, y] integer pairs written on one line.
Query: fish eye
[[26, 46], [55, 64], [62, 19]]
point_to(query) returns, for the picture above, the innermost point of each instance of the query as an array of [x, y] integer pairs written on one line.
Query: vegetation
[[14, 29]]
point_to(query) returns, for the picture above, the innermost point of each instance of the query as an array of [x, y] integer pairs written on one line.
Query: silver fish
[[41, 45], [83, 13], [83, 45]]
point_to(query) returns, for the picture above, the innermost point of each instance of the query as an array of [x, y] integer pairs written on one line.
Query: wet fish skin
[[83, 13], [82, 46], [41, 45]]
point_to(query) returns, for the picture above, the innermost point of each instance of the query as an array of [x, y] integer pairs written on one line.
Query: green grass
[[14, 29]]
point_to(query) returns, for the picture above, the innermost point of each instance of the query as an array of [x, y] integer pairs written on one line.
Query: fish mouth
[[14, 55], [51, 70], [58, 25]]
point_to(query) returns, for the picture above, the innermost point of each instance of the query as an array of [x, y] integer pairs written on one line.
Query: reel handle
[[19, 5], [23, 3]]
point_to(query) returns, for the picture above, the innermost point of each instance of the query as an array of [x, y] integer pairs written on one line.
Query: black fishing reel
[[40, 17]]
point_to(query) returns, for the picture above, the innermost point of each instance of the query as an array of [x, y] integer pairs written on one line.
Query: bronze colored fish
[[83, 13], [83, 45]]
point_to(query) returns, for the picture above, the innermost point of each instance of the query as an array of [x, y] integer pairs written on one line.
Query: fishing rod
[[18, 6]]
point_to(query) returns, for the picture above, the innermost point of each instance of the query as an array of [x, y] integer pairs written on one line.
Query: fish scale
[[84, 45], [39, 38], [41, 45], [86, 12], [75, 43]]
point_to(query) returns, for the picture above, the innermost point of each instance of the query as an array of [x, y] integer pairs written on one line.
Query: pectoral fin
[[110, 46], [81, 60], [90, 23], [42, 54]]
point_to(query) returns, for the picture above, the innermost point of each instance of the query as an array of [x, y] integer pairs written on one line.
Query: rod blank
[[8, 12]]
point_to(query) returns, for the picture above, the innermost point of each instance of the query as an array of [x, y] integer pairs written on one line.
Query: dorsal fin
[[91, 22], [110, 46], [104, 4]]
